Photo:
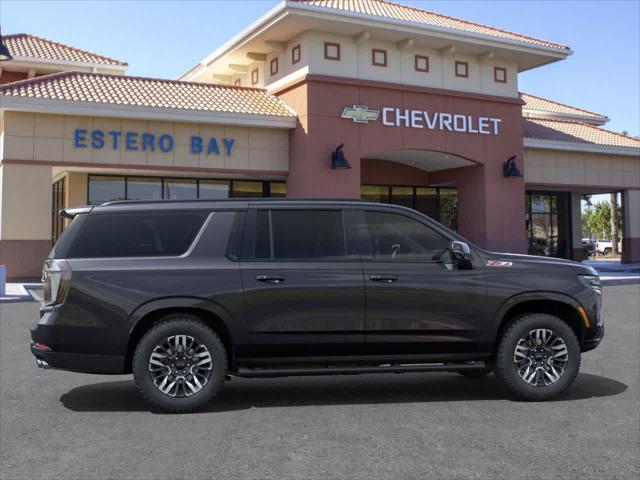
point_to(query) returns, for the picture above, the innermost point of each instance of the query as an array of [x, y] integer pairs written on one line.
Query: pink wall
[[491, 207]]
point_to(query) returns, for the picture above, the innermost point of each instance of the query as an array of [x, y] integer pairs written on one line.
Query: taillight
[[56, 276]]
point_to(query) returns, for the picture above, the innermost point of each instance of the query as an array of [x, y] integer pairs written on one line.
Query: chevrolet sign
[[360, 114]]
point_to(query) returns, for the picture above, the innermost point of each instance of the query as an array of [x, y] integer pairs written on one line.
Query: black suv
[[185, 294]]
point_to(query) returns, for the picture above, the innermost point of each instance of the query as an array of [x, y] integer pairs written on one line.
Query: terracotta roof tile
[[27, 45], [148, 92], [395, 11], [575, 132], [545, 105]]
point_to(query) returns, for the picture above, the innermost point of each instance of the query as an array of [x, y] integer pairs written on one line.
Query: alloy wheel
[[541, 357], [180, 366]]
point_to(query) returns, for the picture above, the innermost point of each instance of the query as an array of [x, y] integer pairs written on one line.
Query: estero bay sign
[[403, 117], [136, 141]]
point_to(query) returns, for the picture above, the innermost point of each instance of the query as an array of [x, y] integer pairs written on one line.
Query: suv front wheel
[[538, 357], [180, 364]]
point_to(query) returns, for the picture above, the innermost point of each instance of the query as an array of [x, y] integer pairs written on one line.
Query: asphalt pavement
[[63, 425]]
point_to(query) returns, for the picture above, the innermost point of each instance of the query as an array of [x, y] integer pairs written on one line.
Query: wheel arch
[[562, 306], [212, 314]]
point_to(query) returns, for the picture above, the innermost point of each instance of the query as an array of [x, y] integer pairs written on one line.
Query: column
[[631, 239], [25, 219], [577, 252]]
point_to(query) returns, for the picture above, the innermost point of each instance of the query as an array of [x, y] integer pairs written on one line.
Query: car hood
[[542, 263]]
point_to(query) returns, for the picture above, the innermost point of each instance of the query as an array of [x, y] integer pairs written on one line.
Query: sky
[[166, 38]]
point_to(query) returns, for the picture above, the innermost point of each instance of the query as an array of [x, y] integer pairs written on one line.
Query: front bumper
[[592, 342]]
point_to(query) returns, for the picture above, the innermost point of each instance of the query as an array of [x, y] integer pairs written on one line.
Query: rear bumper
[[79, 362], [79, 348]]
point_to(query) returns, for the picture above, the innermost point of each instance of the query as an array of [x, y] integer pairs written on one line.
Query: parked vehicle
[[605, 247], [187, 294], [588, 246]]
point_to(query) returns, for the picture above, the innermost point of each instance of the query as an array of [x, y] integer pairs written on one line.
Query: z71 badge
[[498, 263]]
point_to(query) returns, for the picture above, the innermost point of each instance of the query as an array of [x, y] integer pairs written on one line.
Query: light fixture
[[4, 51], [338, 162], [510, 169]]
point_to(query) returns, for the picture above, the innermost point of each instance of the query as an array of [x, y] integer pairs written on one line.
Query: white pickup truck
[[605, 247]]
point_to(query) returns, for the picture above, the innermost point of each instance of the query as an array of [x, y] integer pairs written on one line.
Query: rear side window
[[396, 238], [137, 234], [313, 235]]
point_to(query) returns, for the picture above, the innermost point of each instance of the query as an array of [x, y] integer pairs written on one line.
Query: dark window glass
[[300, 235], [374, 193], [137, 234], [214, 189], [105, 189], [402, 196], [243, 189], [142, 188], [278, 189], [398, 238], [180, 189], [427, 201], [449, 208]]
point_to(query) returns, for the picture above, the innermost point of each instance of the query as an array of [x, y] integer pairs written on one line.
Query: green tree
[[598, 220]]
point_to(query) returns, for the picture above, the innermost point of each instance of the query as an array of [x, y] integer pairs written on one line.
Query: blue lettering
[[132, 141], [97, 137], [228, 144], [213, 146], [80, 137], [115, 136], [165, 142], [148, 140], [196, 144]]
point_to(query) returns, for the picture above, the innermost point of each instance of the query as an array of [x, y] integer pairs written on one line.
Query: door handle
[[270, 278], [384, 278]]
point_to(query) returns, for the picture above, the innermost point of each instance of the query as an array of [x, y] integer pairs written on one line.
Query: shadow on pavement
[[240, 394]]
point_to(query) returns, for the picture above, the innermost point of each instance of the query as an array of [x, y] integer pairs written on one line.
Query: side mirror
[[461, 254]]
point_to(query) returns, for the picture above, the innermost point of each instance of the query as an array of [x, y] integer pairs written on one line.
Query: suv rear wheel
[[179, 364], [538, 357]]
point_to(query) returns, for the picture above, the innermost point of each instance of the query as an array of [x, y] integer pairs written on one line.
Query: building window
[[331, 51], [254, 76], [274, 67], [238, 82], [295, 54], [378, 57], [462, 69], [421, 63], [441, 204], [107, 188], [500, 74]]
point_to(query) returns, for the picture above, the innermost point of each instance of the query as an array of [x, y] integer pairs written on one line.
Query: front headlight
[[592, 281]]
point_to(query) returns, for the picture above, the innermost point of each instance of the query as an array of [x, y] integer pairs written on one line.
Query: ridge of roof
[[64, 45], [594, 114], [455, 19]]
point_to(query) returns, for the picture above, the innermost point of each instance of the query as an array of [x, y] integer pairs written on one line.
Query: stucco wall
[[50, 138], [553, 167]]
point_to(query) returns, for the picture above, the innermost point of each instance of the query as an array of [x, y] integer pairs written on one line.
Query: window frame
[[417, 58], [273, 66], [326, 51], [255, 76], [374, 51], [249, 238], [460, 63], [296, 54], [495, 74]]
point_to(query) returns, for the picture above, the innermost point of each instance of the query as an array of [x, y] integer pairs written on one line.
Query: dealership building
[[425, 110]]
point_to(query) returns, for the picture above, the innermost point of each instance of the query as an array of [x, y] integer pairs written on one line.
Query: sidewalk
[[22, 292]]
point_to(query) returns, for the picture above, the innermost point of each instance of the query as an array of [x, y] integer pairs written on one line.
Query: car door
[[416, 302], [303, 289]]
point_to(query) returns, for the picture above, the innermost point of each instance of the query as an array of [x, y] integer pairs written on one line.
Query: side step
[[338, 370]]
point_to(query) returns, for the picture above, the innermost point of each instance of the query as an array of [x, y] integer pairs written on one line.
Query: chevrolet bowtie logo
[[360, 114]]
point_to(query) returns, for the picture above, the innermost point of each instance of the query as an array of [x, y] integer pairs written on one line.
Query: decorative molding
[[219, 78], [276, 46], [362, 37], [406, 44], [236, 67], [257, 57], [486, 56], [448, 50]]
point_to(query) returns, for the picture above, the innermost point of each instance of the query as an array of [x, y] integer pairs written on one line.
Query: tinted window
[[299, 235], [136, 234], [143, 188], [398, 238], [105, 189]]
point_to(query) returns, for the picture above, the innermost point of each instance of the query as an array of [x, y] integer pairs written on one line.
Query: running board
[[337, 370]]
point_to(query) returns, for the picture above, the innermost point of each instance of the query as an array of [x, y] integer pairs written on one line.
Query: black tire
[[480, 373], [506, 368], [171, 325], [607, 251]]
